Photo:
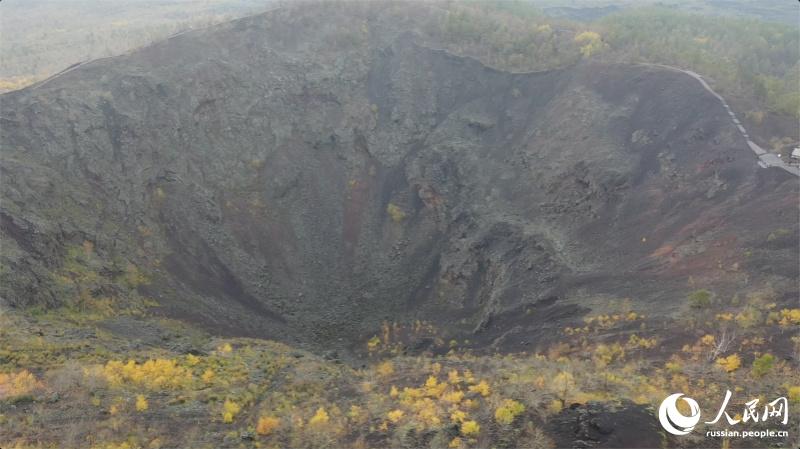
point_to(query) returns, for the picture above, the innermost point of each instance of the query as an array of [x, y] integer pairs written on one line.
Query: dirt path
[[765, 159]]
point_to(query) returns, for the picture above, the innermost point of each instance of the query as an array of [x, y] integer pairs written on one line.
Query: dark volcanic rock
[[275, 178], [601, 425]]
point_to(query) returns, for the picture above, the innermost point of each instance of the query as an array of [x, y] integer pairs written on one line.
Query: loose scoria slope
[[277, 177]]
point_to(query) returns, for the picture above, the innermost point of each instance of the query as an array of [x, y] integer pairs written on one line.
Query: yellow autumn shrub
[[590, 42], [229, 410], [154, 374], [357, 415], [789, 317], [470, 428], [373, 343], [606, 354], [481, 388], [453, 377], [397, 215], [395, 416], [386, 369], [454, 397], [434, 388], [427, 412], [320, 418], [457, 416], [267, 424], [554, 407], [508, 411], [18, 384], [794, 394], [208, 376], [141, 403], [730, 363], [708, 340]]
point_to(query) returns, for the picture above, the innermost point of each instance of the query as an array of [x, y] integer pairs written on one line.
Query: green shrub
[[700, 299], [763, 365]]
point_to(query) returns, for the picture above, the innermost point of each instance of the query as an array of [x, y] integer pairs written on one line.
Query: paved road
[[765, 159]]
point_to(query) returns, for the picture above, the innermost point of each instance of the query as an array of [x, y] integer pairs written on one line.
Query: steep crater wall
[[270, 186]]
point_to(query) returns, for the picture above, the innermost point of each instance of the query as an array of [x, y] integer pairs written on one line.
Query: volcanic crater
[[274, 178]]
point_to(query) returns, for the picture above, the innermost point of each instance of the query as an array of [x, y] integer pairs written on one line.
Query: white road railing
[[765, 159]]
